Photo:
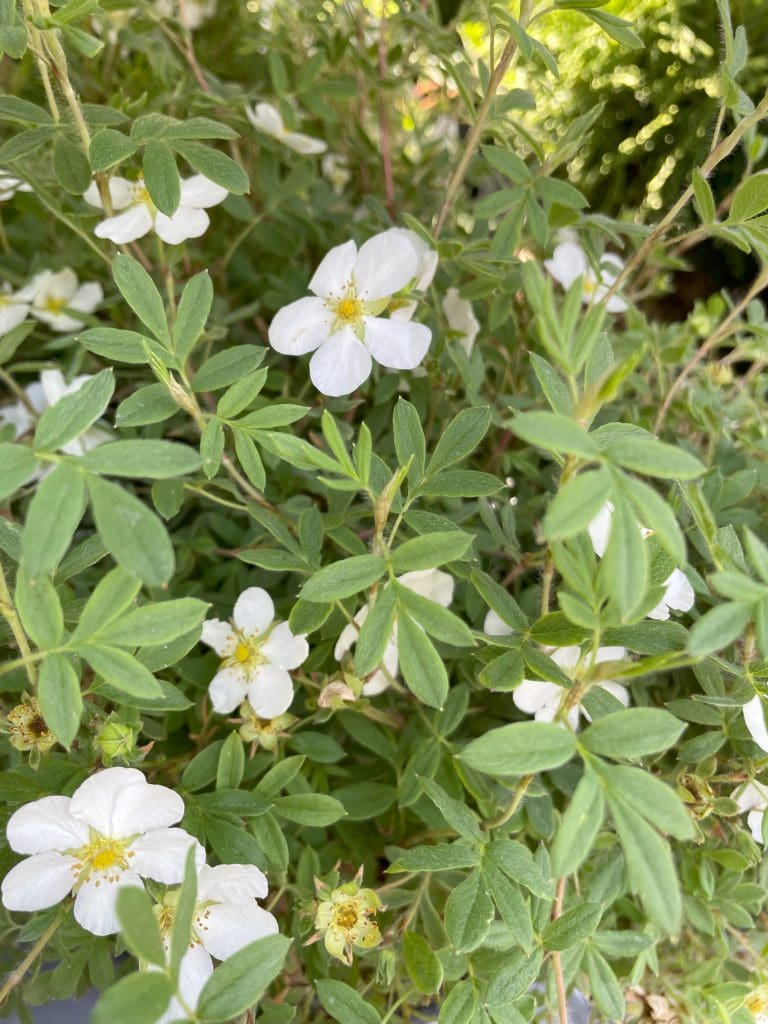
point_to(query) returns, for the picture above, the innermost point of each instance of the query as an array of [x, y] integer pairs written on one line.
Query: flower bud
[[334, 694], [116, 739]]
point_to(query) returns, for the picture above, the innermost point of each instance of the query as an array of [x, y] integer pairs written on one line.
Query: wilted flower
[[111, 833], [54, 296], [569, 261], [754, 799], [257, 654], [433, 584], [13, 310], [227, 917], [9, 186], [346, 920], [263, 732], [461, 318], [268, 119], [678, 595], [341, 324], [140, 215], [335, 694], [754, 719], [27, 729]]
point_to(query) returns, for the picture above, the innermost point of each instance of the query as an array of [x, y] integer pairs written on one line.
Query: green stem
[[8, 610], [517, 798], [16, 977]]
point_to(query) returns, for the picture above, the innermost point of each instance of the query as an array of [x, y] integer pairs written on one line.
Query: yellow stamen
[[350, 309], [243, 653], [55, 304]]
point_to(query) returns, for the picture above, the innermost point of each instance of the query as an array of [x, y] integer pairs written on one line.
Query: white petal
[[11, 315], [122, 193], [568, 262], [349, 634], [270, 691], [57, 321], [304, 144], [434, 584], [300, 327], [266, 118], [755, 722], [334, 275], [18, 416], [494, 625], [340, 365], [54, 386], [231, 883], [284, 649], [755, 823], [227, 689], [220, 636], [225, 928], [610, 654], [162, 853], [44, 825], [660, 612], [187, 222], [87, 297], [398, 345], [61, 285], [753, 796], [254, 611], [461, 317], [38, 882], [404, 313], [566, 657], [97, 800], [195, 969], [378, 683], [133, 223], [600, 529], [617, 690], [96, 900], [385, 264], [532, 695], [31, 290], [201, 193], [142, 808], [679, 594]]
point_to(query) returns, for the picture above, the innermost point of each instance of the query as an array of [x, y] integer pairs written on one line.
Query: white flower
[[13, 309], [51, 387], [256, 655], [461, 318], [227, 918], [340, 322], [678, 595], [19, 414], [140, 215], [268, 119], [754, 719], [112, 832], [569, 261], [543, 699], [754, 799], [53, 296], [433, 584], [191, 13], [335, 168], [9, 186]]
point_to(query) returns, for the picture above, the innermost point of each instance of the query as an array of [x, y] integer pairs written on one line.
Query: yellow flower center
[[141, 194], [55, 304], [345, 917], [102, 854], [350, 310], [243, 653], [589, 287]]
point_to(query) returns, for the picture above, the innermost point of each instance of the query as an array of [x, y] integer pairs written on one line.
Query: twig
[[517, 799], [557, 963], [384, 137], [16, 977], [8, 610]]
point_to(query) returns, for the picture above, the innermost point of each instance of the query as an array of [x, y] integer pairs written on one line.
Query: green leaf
[[73, 414], [409, 438], [459, 1005], [310, 809], [139, 291], [114, 592], [231, 766], [138, 925], [153, 624], [61, 701], [108, 148], [161, 177], [228, 366], [250, 460], [460, 438], [150, 404], [137, 999], [572, 927], [656, 514], [422, 668], [750, 199], [131, 532], [702, 197], [617, 28], [657, 802], [121, 346], [555, 433], [430, 550], [517, 861], [52, 517], [343, 579], [344, 1004], [519, 749], [149, 460], [17, 464], [633, 732], [440, 857], [718, 628], [513, 908], [653, 458], [579, 826], [606, 990], [436, 620], [71, 167], [39, 607], [624, 568], [240, 981], [423, 966], [576, 504], [375, 633], [120, 670], [184, 912], [468, 913], [214, 165], [456, 813], [498, 599], [514, 978], [460, 483], [192, 314]]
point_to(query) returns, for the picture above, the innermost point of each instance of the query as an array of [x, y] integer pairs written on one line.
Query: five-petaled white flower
[[13, 309], [114, 831], [678, 593], [191, 13], [140, 215], [10, 185], [543, 699], [340, 323], [433, 584], [268, 119], [47, 391], [754, 799], [227, 918], [569, 261], [257, 654], [461, 318], [754, 719], [54, 296]]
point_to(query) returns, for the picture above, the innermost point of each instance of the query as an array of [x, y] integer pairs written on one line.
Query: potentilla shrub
[[383, 591]]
